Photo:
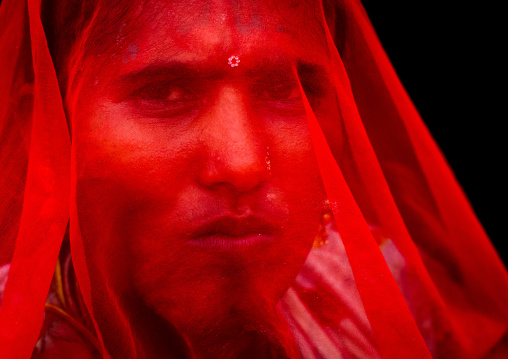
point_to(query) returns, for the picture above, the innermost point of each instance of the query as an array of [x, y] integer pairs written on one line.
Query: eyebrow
[[169, 70], [200, 73]]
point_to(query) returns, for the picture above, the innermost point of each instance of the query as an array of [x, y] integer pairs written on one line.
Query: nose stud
[[267, 160], [233, 61]]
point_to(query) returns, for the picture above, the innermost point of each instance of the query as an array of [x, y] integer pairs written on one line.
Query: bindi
[[233, 61]]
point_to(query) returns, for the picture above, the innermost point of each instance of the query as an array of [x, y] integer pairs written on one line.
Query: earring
[[322, 235]]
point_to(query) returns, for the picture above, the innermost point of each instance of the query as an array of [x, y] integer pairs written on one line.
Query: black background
[[449, 59]]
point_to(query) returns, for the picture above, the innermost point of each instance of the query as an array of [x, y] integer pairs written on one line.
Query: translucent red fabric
[[233, 179]]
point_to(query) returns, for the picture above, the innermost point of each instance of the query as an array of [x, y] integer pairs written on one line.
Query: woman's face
[[195, 168]]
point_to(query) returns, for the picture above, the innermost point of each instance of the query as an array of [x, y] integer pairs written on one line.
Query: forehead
[[210, 31]]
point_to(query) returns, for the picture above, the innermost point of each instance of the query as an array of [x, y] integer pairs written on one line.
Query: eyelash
[[287, 106], [154, 99], [290, 104]]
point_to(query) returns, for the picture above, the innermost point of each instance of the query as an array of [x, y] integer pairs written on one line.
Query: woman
[[240, 179]]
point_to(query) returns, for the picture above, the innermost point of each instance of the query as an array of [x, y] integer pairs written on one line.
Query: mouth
[[230, 232]]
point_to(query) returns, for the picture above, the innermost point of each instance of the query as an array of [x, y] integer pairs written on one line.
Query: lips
[[231, 232]]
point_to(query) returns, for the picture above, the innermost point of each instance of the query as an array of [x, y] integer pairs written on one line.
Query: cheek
[[294, 163], [145, 160], [130, 176], [296, 173]]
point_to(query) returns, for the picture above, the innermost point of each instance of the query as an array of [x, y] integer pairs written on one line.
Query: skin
[[169, 137]]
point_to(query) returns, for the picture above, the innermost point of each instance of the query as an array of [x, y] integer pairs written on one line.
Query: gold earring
[[321, 237]]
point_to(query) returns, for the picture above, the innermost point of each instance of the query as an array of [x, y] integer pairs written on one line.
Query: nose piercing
[[234, 61], [267, 160]]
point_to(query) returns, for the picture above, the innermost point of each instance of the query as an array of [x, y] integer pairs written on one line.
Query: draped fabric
[[227, 179]]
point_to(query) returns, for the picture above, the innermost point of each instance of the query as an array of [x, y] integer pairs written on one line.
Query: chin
[[200, 286]]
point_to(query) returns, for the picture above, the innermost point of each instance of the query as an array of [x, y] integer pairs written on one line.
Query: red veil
[[400, 266]]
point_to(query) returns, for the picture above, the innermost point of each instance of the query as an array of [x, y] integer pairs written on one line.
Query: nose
[[235, 145]]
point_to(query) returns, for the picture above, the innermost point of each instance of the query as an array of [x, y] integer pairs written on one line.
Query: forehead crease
[[160, 33], [235, 17]]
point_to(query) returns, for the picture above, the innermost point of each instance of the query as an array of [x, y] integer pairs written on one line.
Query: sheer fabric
[[238, 179]]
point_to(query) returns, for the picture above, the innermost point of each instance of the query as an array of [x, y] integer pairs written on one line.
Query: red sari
[[240, 179]]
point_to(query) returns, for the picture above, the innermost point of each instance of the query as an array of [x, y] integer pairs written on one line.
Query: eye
[[161, 92], [164, 100], [281, 91], [279, 96]]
